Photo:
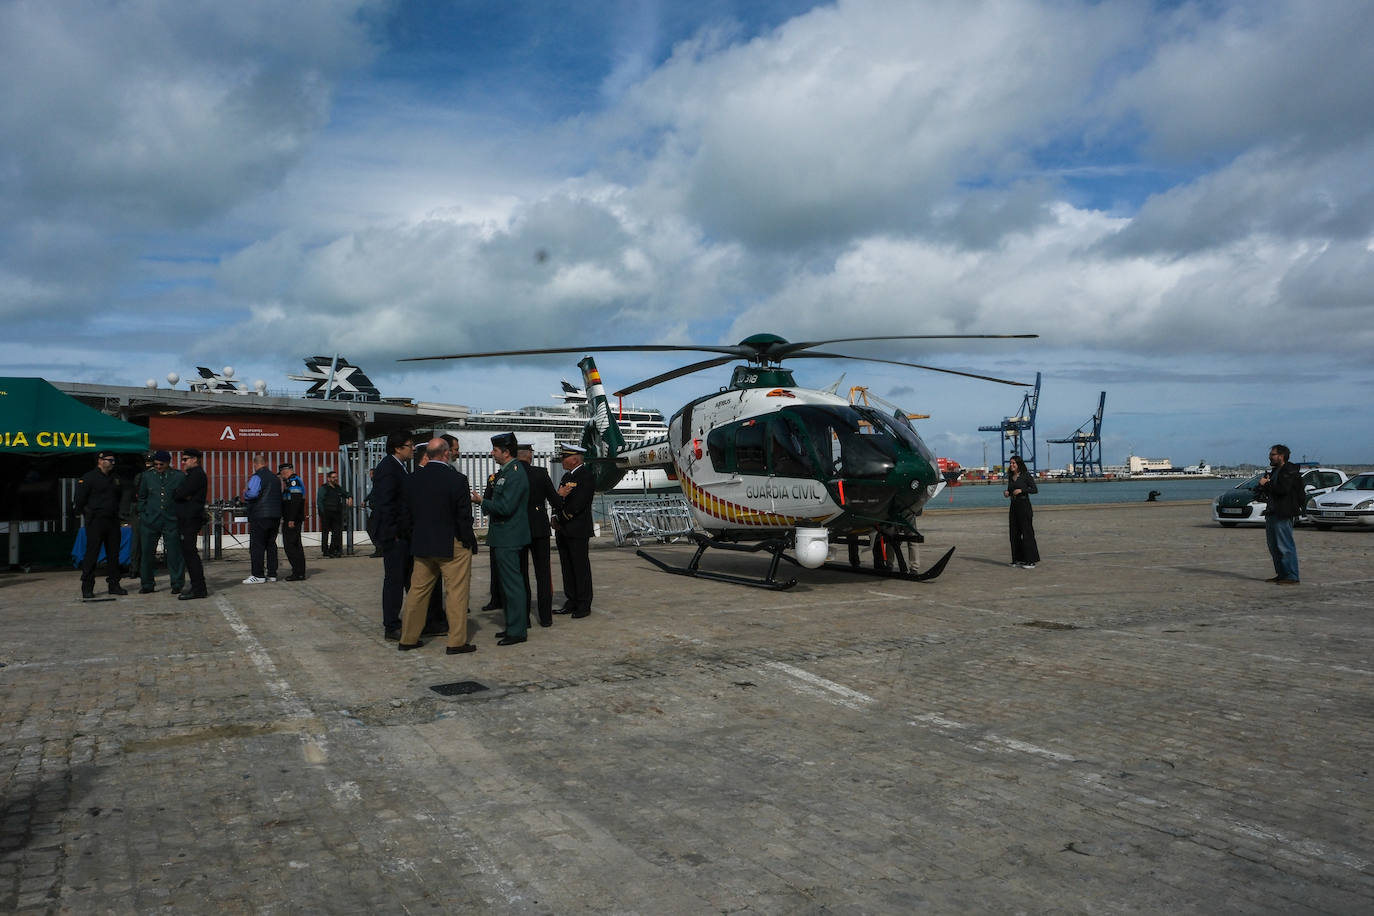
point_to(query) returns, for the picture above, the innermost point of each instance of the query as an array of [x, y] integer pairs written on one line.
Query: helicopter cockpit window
[[787, 453], [716, 442], [750, 456], [856, 443]]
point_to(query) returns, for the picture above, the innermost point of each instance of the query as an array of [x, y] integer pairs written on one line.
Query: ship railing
[[663, 520]]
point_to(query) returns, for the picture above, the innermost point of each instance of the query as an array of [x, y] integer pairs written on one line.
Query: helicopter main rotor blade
[[733, 351], [815, 354], [675, 373], [790, 349]]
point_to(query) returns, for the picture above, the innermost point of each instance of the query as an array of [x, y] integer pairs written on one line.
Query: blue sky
[[1178, 197]]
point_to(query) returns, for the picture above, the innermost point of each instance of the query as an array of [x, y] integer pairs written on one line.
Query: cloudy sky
[[1177, 197]]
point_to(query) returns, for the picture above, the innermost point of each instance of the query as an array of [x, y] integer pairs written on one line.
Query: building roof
[[371, 418]]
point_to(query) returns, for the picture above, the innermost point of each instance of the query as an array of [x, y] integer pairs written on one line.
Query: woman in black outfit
[[1020, 485]]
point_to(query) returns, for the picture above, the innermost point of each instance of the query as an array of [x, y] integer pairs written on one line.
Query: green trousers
[[148, 534], [512, 575]]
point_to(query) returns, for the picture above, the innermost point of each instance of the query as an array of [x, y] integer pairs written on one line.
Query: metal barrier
[[664, 520]]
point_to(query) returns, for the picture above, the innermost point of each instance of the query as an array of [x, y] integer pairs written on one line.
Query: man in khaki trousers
[[442, 543]]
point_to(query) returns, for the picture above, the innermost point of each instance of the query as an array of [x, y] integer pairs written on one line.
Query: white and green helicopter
[[767, 465]]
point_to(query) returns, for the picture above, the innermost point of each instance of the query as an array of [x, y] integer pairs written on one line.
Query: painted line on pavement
[[316, 744], [825, 689]]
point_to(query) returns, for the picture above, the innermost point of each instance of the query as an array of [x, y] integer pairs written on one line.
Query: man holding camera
[[1282, 489]]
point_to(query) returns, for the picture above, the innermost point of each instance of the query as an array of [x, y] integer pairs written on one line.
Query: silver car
[[1349, 505]]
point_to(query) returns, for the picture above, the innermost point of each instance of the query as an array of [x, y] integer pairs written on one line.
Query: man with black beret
[[157, 519]]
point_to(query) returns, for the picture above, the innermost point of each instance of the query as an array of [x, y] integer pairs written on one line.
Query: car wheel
[[1323, 527], [1227, 524]]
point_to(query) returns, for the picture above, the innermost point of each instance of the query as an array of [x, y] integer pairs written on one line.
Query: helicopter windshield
[[852, 441]]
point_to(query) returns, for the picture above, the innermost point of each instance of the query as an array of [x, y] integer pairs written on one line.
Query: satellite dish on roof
[[260, 386], [228, 371], [151, 383]]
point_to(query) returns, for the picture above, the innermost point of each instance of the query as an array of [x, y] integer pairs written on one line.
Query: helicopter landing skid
[[902, 572], [775, 547]]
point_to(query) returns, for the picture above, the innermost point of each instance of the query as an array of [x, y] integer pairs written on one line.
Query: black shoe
[[492, 607], [460, 650], [564, 610], [510, 641], [394, 635], [146, 590], [407, 646], [501, 635], [87, 594], [190, 596], [295, 578], [118, 589], [546, 623], [578, 615]]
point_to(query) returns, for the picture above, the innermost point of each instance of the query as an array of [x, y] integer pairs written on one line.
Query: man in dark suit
[[541, 492], [393, 529], [190, 508], [442, 544], [574, 524]]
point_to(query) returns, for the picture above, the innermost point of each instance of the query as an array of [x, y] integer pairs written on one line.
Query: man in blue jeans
[[1283, 490]]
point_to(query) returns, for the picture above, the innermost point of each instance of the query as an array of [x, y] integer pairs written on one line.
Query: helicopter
[[770, 466]]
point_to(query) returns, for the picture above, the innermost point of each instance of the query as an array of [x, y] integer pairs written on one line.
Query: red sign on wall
[[244, 433]]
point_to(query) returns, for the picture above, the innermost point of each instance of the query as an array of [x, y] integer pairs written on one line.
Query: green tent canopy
[[38, 420]]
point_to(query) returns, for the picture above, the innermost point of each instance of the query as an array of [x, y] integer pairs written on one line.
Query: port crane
[[1087, 446], [1014, 429]]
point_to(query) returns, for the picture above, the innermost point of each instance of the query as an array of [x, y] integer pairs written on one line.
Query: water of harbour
[[981, 496], [1082, 494]]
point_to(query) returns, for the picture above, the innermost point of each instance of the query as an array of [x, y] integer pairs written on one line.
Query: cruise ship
[[544, 426]]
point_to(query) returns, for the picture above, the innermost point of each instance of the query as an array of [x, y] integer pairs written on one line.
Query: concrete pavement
[[1139, 725]]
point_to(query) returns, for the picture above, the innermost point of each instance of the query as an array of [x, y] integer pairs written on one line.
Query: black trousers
[[190, 554], [331, 533], [396, 566], [1021, 527], [291, 545], [262, 544], [575, 560], [538, 550], [497, 598], [101, 532]]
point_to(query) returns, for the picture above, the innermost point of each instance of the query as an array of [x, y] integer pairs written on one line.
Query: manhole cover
[[458, 688]]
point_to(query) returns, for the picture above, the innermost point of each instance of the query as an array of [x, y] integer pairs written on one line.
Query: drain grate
[[458, 688]]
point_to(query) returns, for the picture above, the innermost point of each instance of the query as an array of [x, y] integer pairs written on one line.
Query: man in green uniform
[[157, 518], [508, 530]]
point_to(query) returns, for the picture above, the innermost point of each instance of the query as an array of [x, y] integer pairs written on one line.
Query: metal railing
[[663, 520]]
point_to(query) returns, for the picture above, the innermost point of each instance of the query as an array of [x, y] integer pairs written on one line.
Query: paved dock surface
[[1139, 725]]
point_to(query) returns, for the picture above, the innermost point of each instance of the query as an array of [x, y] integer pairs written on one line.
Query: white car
[[1350, 505], [1238, 506]]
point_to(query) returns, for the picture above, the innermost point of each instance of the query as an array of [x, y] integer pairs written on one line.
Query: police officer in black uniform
[[574, 524], [190, 509], [97, 499], [541, 491]]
